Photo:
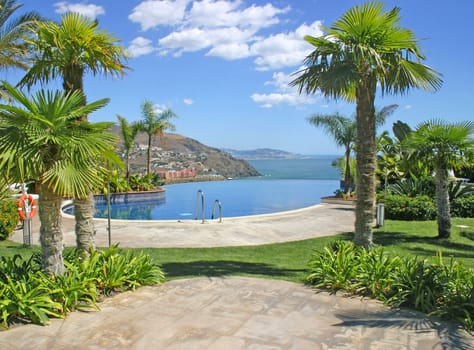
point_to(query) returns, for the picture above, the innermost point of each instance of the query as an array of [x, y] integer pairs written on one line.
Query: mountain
[[261, 153], [178, 152]]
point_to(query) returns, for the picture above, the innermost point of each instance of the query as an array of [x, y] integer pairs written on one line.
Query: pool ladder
[[217, 204]]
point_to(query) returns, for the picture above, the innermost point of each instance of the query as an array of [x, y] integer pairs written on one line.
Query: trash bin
[[380, 214]]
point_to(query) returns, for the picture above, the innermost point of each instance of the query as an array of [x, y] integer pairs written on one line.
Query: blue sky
[[223, 66]]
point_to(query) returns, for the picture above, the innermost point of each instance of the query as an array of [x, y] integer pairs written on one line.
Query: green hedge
[[399, 207], [8, 218], [463, 207]]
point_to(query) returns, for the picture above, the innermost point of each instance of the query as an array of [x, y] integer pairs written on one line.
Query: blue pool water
[[237, 198], [284, 185]]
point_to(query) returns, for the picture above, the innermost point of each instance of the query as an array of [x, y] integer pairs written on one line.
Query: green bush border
[[440, 289]]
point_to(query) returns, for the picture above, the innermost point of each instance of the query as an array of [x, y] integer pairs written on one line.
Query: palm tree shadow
[[219, 268], [395, 238], [450, 335]]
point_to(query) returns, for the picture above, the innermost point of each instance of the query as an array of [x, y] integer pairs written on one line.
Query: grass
[[288, 261]]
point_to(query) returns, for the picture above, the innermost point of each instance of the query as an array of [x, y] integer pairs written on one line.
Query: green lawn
[[288, 261]]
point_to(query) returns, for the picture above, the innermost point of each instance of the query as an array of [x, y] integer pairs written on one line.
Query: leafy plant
[[463, 207], [29, 295], [412, 187], [458, 189], [437, 288], [334, 268], [402, 207], [27, 300], [8, 217]]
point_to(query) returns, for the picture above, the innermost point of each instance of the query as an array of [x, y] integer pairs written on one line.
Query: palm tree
[[14, 51], [343, 131], [68, 50], [129, 133], [443, 146], [38, 143], [154, 123], [364, 48]]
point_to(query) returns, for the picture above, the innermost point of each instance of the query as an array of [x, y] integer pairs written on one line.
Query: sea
[[314, 167]]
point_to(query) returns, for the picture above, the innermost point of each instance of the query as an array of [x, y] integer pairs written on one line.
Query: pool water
[[237, 197]]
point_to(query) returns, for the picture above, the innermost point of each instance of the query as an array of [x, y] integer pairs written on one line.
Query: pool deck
[[316, 221], [231, 312]]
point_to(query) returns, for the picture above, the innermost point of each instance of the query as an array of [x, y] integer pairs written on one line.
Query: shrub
[[28, 295], [8, 217], [463, 207], [402, 207], [445, 290]]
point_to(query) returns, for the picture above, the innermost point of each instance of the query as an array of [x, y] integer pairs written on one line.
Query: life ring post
[[26, 210]]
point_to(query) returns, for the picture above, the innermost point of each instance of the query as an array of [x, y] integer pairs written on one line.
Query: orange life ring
[[32, 202]]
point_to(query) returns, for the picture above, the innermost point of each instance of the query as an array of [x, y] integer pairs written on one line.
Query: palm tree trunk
[[85, 229], [347, 173], [51, 236], [148, 164], [127, 165], [442, 203], [366, 163]]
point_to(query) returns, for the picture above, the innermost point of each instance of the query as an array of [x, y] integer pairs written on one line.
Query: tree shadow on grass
[[219, 268], [395, 238], [468, 235]]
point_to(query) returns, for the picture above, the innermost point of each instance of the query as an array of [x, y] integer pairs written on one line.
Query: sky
[[223, 66]]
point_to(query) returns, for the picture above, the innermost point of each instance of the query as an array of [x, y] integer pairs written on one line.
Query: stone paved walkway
[[238, 313]]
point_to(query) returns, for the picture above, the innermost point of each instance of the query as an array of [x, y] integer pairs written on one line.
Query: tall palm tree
[[154, 123], [443, 146], [69, 50], [364, 48], [38, 143], [342, 129], [14, 51], [129, 133]]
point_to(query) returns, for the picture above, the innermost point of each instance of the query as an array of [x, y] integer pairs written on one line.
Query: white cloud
[[225, 28], [285, 49], [222, 13], [140, 46], [88, 10], [284, 93], [188, 101], [152, 13]]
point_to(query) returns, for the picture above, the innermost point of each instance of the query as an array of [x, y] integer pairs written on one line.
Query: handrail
[[218, 203], [200, 193]]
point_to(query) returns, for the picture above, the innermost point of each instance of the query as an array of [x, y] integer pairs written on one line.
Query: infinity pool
[[237, 198]]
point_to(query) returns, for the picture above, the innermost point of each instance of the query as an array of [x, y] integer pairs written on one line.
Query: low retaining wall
[[130, 197]]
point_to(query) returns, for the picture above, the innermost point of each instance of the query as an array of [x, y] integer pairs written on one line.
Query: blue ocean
[[285, 184], [318, 167]]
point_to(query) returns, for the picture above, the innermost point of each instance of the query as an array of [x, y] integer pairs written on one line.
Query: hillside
[[179, 152]]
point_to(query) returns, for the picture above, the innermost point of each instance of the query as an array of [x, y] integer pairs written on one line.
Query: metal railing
[[200, 194], [218, 204]]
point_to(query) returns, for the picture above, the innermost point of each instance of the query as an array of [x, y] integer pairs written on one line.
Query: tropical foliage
[[364, 49], [154, 123], [129, 133], [443, 146], [69, 50], [29, 295], [343, 131], [8, 217], [439, 288], [14, 33], [42, 140]]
